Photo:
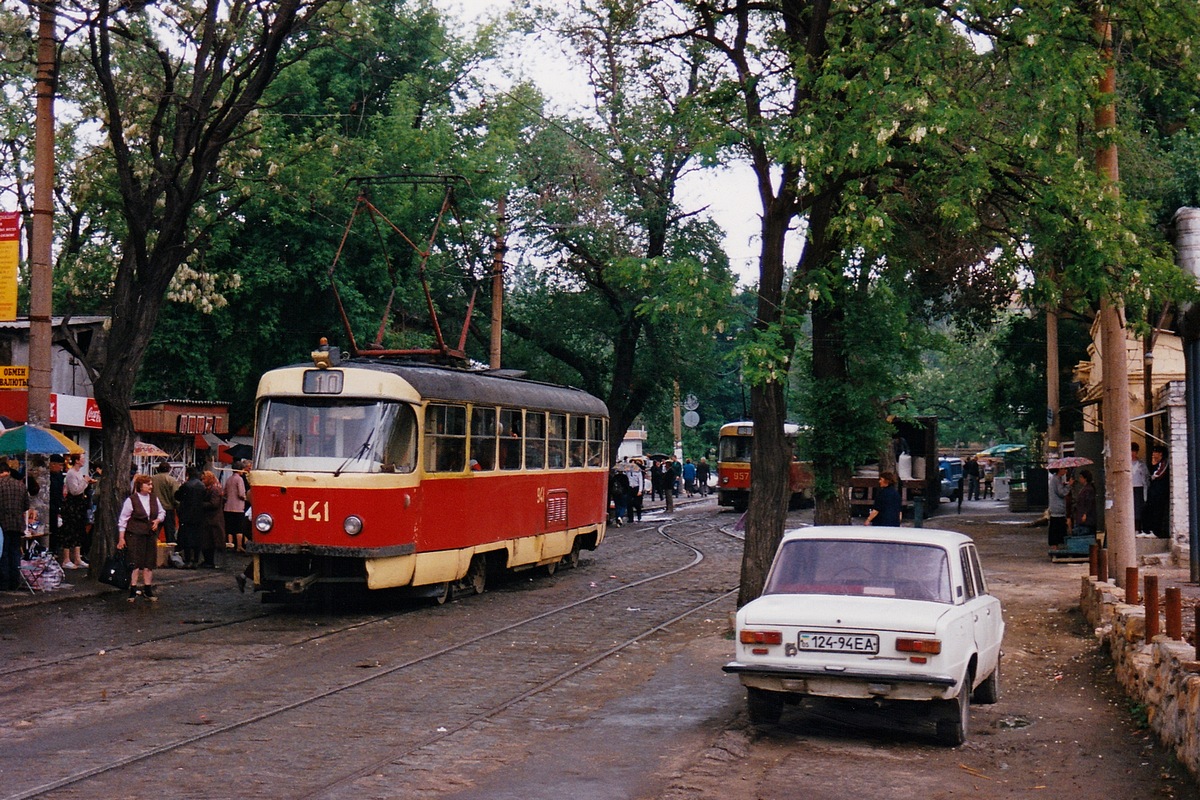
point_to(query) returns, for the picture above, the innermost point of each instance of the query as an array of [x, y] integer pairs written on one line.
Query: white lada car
[[875, 614]]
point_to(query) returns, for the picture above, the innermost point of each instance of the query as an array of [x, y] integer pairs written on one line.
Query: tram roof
[[477, 386], [747, 428]]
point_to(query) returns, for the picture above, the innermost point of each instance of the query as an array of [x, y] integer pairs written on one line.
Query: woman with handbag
[[137, 533]]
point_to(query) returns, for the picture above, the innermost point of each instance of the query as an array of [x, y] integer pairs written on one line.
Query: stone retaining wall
[[1162, 675]]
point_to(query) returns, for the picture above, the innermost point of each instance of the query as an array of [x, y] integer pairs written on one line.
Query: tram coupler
[[301, 585]]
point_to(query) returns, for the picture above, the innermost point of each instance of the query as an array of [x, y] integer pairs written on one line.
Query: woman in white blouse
[[137, 533]]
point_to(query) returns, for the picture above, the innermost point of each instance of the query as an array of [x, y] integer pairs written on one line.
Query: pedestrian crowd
[[1072, 499], [199, 516], [44, 510], [665, 478]]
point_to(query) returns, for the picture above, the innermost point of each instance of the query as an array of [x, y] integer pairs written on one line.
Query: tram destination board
[[322, 381]]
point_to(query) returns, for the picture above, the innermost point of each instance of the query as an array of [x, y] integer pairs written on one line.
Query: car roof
[[866, 533]]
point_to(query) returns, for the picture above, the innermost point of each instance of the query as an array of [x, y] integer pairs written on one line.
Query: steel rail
[[209, 733]]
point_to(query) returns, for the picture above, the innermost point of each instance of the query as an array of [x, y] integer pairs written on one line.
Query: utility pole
[[1118, 519], [1053, 402], [677, 424], [498, 282], [41, 274]]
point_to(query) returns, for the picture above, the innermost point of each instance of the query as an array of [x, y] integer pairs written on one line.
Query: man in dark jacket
[[189, 504], [14, 499], [886, 509]]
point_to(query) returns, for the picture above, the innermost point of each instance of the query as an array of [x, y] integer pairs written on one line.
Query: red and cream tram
[[733, 466], [391, 474]]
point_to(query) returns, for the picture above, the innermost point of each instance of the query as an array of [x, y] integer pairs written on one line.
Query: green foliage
[[845, 416], [988, 385]]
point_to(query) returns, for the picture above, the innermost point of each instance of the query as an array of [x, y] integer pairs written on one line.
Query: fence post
[[1131, 586], [1174, 612], [1151, 603]]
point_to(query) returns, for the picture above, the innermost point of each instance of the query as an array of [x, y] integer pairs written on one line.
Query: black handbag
[[116, 571]]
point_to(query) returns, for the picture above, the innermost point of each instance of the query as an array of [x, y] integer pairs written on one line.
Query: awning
[[207, 441]]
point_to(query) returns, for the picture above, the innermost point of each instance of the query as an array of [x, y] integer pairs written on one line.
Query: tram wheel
[[476, 577], [551, 568], [445, 592], [571, 560]]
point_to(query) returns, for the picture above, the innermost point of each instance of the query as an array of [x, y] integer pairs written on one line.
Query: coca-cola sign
[[91, 417], [80, 412]]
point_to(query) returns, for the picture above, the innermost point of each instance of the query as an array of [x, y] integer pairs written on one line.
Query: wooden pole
[[498, 283], [1118, 517], [1053, 401]]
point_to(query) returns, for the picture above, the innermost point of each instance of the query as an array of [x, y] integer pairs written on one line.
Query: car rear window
[[848, 567]]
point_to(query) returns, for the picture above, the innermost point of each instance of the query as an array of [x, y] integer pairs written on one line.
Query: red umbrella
[[1068, 462]]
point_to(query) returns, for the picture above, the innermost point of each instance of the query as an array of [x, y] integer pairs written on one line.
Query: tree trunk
[[119, 361], [113, 488], [771, 457], [829, 367]]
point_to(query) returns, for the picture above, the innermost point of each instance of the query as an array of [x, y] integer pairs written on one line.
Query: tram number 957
[[316, 511]]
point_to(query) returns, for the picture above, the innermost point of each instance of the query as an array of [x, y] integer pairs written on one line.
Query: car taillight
[[761, 637], [930, 646]]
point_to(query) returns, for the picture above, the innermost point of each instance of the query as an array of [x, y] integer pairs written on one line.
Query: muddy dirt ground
[[1063, 728]]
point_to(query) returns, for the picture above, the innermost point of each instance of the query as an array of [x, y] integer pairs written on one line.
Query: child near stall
[[35, 531]]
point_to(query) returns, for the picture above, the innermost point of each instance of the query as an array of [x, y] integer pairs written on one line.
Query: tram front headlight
[[353, 525], [263, 523]]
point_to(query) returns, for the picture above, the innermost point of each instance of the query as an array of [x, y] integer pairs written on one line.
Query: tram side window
[[577, 443], [483, 438], [445, 438], [511, 441], [556, 441], [535, 440], [400, 450], [596, 442]]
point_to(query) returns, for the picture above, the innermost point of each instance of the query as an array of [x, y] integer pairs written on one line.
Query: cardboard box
[[164, 554]]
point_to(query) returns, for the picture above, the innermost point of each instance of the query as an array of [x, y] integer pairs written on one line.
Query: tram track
[[355, 697]]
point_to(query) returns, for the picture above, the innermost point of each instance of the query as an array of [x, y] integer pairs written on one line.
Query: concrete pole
[[42, 239], [1118, 518], [1187, 256]]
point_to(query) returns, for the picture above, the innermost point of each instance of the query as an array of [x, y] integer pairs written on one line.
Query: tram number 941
[[316, 511]]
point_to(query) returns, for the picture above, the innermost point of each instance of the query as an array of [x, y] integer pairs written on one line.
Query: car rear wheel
[[764, 707], [988, 692], [953, 727]]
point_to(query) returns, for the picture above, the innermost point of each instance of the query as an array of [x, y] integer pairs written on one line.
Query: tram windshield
[[735, 448], [335, 435]]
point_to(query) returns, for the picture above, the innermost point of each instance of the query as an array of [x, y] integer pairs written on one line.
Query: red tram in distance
[[733, 467], [420, 477]]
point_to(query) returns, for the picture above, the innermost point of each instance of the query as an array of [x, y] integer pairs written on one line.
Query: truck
[[924, 487]]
